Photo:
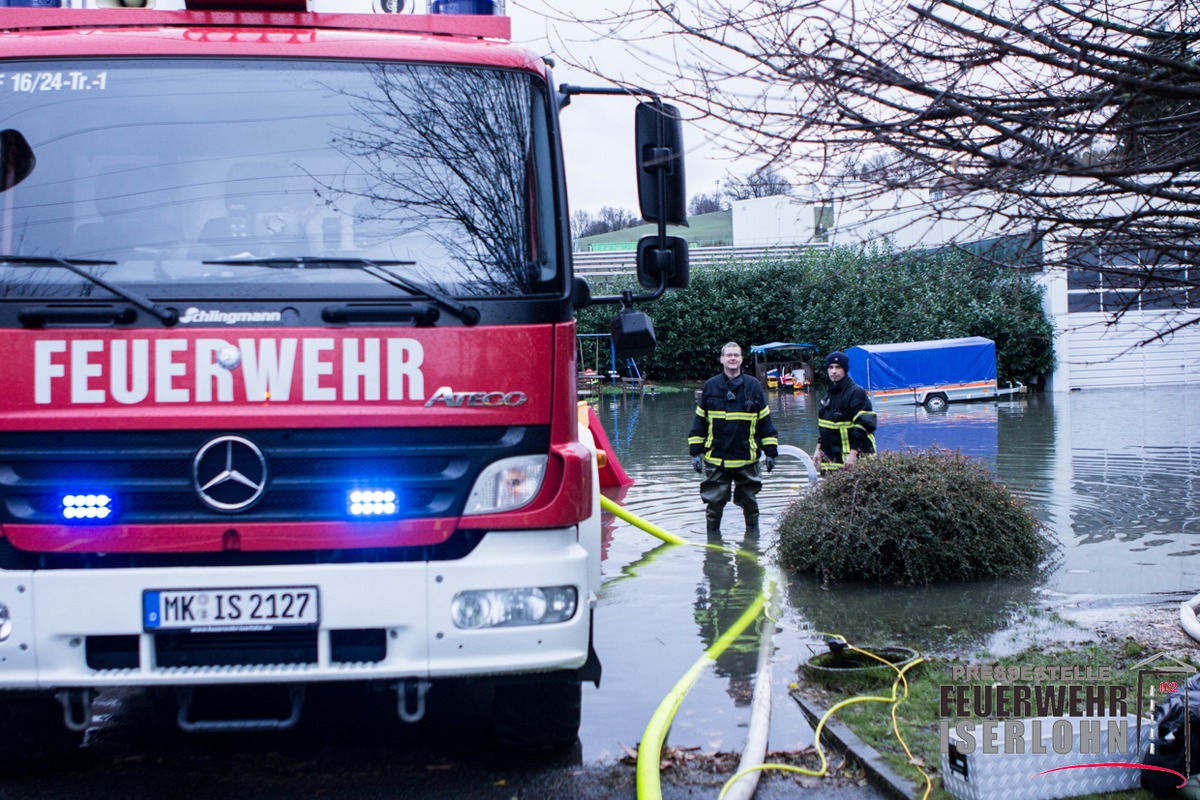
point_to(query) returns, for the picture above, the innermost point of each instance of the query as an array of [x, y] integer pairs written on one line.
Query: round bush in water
[[911, 518]]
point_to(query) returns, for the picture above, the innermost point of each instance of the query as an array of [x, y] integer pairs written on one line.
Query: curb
[[878, 771]]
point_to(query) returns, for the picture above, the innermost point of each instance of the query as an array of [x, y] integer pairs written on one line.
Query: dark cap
[[839, 358]]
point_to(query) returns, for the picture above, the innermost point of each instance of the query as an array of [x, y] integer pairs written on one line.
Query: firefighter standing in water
[[846, 420], [732, 427]]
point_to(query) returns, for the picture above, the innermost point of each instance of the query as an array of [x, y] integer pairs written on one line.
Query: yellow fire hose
[[633, 519], [894, 700], [649, 786], [650, 749]]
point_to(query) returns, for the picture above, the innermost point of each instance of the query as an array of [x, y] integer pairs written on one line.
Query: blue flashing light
[[30, 3], [480, 7], [92, 507], [372, 502]]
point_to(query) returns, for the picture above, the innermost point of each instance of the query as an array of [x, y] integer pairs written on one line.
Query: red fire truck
[[287, 336]]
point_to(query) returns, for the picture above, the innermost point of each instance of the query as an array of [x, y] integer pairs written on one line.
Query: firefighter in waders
[[732, 429], [846, 420]]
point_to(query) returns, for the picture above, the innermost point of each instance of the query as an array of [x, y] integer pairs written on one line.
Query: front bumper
[[62, 619]]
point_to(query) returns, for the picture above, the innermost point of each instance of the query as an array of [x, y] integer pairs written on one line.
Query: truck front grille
[[258, 648], [309, 471], [235, 649]]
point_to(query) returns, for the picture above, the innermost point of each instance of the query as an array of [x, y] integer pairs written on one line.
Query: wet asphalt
[[349, 745]]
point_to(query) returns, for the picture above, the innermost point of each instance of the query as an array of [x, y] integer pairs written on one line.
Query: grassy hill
[[704, 230]]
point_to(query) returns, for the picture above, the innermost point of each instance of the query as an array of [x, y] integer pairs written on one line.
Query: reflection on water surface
[[1113, 474]]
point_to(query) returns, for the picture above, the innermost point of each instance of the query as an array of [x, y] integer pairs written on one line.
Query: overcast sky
[[598, 130]]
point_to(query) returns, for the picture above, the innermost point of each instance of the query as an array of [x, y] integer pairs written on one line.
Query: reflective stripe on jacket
[[846, 421], [733, 423]]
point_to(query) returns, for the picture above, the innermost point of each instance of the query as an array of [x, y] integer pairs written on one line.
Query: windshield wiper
[[376, 269], [168, 315]]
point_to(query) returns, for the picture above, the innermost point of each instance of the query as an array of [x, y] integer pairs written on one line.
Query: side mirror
[[16, 159], [633, 334], [659, 132], [653, 261], [581, 293]]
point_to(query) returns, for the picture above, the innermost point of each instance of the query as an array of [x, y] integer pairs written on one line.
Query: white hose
[[1187, 616], [760, 719], [755, 751], [791, 450]]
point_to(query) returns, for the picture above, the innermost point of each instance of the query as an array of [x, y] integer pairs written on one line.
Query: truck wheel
[[539, 714], [936, 402], [32, 729]]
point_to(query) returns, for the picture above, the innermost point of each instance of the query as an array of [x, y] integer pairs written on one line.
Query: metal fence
[[623, 262]]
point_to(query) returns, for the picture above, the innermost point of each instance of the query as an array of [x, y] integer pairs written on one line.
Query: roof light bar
[[486, 8], [256, 5]]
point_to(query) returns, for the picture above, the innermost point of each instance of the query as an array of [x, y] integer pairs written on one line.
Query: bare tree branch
[[1074, 124]]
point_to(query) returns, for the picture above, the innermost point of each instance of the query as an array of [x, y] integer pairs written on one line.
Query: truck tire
[[936, 402], [32, 729], [538, 714]]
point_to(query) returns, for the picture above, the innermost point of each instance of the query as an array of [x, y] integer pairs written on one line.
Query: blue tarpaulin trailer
[[932, 373]]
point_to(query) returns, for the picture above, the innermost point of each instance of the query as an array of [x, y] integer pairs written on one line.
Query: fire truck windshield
[[167, 169]]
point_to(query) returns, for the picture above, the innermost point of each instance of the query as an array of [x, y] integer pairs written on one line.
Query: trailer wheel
[[539, 714], [936, 402]]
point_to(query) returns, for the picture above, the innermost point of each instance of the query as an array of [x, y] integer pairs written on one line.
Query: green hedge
[[839, 298]]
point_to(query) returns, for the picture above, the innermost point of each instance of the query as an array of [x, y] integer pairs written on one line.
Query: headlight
[[507, 484], [501, 608]]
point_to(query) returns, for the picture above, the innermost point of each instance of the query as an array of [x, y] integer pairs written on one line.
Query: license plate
[[221, 610]]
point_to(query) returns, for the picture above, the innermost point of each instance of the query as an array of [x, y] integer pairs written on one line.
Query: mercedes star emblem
[[229, 473]]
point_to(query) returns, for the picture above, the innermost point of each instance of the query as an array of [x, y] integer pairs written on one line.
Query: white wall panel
[[1104, 354]]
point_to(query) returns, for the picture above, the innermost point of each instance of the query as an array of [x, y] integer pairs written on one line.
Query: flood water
[[1114, 475]]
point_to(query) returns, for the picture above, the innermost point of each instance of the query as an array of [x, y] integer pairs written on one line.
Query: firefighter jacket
[[733, 423], [846, 421]]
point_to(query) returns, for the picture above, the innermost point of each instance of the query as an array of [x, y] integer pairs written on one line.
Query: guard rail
[[623, 262]]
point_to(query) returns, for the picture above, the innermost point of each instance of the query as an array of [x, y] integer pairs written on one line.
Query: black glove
[[698, 463], [770, 462]]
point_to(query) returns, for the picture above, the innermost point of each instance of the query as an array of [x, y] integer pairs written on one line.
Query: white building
[[780, 219], [1093, 347]]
